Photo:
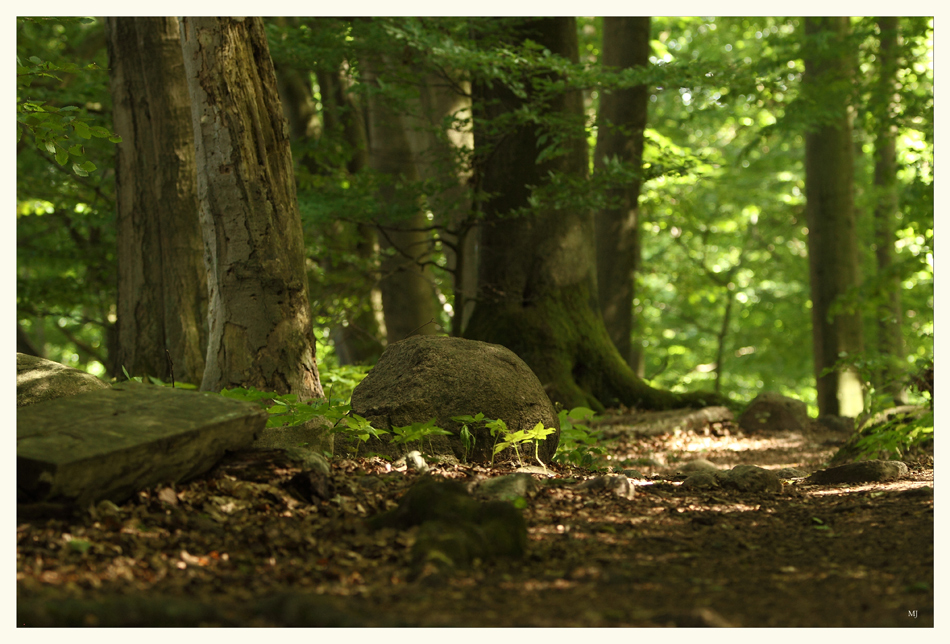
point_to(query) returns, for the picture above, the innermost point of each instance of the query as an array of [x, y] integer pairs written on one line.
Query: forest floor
[[237, 547]]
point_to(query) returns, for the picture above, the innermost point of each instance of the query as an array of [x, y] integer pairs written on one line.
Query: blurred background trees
[[392, 198]]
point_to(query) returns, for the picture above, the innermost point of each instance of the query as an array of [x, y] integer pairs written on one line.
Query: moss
[[564, 341]]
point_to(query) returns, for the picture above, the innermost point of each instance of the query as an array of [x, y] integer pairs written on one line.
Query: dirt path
[[237, 548]]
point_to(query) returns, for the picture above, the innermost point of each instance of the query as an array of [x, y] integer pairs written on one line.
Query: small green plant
[[357, 426], [284, 409], [518, 438], [417, 432], [155, 381], [578, 445], [503, 438], [468, 439]]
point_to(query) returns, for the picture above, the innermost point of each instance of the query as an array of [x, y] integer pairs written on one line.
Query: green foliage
[[417, 432], [66, 271], [579, 444], [284, 409], [468, 439], [58, 130], [356, 425], [895, 438]]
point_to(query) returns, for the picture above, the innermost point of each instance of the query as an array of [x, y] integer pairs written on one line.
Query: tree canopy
[[722, 286]]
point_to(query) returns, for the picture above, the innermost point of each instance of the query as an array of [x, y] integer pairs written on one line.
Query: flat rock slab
[[111, 443]]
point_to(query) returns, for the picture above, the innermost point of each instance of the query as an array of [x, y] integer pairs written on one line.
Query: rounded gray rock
[[774, 412], [425, 377]]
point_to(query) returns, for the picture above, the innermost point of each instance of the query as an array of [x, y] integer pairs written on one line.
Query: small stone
[[861, 472], [750, 478], [508, 488], [308, 460], [415, 461], [702, 480], [774, 412], [697, 465], [614, 483]]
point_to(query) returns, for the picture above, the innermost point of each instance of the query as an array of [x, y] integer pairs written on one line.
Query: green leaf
[[79, 171], [36, 60], [62, 156], [82, 130], [115, 139], [76, 151], [88, 166], [100, 132]]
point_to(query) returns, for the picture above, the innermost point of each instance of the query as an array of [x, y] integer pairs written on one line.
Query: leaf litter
[[258, 541]]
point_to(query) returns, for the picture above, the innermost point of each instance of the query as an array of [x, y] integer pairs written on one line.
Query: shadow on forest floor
[[236, 548]]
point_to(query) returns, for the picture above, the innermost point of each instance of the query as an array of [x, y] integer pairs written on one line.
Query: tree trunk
[[409, 301], [261, 333], [162, 289], [537, 274], [360, 341], [829, 191], [24, 344], [434, 152], [621, 121], [890, 339]]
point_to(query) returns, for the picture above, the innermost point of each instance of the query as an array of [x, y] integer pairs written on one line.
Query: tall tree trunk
[[537, 274], [621, 121], [409, 301], [890, 339], [261, 333], [434, 156], [162, 290], [829, 191]]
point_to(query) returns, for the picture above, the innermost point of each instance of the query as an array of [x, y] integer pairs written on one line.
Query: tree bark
[[890, 339], [621, 121], [829, 191], [409, 302], [261, 333], [162, 280], [537, 274]]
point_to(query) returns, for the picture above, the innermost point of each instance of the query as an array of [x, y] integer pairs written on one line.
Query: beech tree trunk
[[890, 339], [162, 280], [621, 121], [829, 192], [537, 273], [261, 333], [409, 301]]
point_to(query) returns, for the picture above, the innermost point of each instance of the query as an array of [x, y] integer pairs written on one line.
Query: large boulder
[[775, 413], [426, 377], [38, 380]]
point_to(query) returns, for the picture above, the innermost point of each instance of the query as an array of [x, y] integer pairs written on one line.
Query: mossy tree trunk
[[829, 192], [261, 333], [162, 280], [621, 121], [537, 272]]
